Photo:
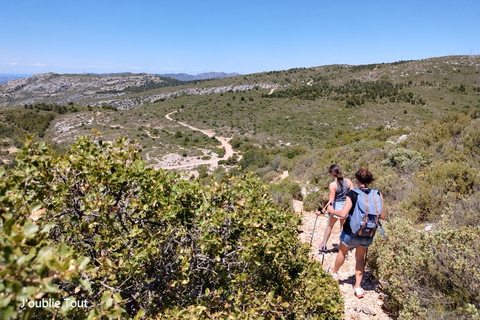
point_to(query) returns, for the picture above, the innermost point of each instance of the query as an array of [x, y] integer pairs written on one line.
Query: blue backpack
[[365, 217]]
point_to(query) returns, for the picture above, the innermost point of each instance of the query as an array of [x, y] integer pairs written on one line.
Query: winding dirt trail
[[210, 133]]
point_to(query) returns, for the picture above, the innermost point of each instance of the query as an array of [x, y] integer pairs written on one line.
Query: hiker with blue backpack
[[363, 208]]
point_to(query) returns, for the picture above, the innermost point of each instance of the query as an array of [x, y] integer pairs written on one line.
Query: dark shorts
[[351, 240]]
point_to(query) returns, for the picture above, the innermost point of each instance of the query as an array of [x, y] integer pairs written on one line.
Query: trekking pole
[[313, 231], [314, 225], [325, 241]]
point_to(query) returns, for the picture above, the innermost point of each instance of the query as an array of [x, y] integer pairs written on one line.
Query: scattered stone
[[402, 137], [365, 309]]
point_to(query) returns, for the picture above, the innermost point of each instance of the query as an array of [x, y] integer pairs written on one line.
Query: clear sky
[[156, 36]]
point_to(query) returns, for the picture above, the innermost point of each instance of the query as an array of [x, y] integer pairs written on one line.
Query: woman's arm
[[345, 210], [333, 188]]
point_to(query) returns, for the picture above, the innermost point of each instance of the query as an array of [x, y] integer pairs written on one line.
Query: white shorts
[[338, 205]]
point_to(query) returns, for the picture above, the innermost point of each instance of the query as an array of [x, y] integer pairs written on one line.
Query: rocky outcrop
[[52, 87], [128, 103]]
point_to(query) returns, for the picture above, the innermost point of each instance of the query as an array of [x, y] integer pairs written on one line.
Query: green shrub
[[404, 159], [437, 187], [291, 188], [32, 265], [293, 151], [270, 176], [423, 272], [254, 158], [160, 245], [282, 198], [314, 199], [30, 121], [465, 212], [232, 160], [394, 186]]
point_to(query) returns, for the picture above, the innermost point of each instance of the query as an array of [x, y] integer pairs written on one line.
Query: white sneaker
[[334, 275], [359, 292]]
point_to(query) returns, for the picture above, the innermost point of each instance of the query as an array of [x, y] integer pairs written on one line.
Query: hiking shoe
[[336, 246], [334, 275], [359, 293]]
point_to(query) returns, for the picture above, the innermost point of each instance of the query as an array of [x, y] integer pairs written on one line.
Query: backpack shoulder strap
[[358, 191]]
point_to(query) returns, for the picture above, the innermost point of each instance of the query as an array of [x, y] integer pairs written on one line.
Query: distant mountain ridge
[[64, 88], [128, 90], [4, 78], [200, 76]]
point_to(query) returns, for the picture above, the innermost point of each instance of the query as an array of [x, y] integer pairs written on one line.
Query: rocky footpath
[[369, 307]]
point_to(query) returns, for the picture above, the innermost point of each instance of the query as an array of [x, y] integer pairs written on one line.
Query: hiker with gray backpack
[[338, 191], [363, 208]]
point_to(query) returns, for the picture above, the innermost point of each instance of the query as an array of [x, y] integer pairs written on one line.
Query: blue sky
[[38, 36]]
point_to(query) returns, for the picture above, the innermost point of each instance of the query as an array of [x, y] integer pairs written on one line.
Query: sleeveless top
[[341, 193]]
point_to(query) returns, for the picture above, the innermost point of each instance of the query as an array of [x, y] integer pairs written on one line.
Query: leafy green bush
[[423, 271], [254, 158], [291, 188], [159, 244], [293, 151], [437, 187], [314, 199], [33, 122], [232, 160], [32, 267], [465, 212], [404, 159]]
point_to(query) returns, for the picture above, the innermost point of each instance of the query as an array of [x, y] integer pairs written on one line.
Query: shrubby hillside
[[96, 224], [299, 107], [428, 265]]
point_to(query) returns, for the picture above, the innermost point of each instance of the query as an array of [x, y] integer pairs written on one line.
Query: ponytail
[[337, 172]]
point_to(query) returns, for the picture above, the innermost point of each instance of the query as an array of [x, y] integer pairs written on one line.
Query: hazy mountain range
[[200, 76], [4, 78]]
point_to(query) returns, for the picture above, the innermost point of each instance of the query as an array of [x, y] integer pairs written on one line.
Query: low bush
[[254, 158], [159, 245], [290, 188], [404, 159], [314, 199], [423, 272], [437, 187]]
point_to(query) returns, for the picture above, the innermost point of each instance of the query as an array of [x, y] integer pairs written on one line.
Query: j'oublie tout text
[[52, 303]]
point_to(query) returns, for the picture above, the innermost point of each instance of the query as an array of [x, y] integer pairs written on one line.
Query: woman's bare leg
[[342, 221], [360, 265], [330, 227], [340, 259]]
